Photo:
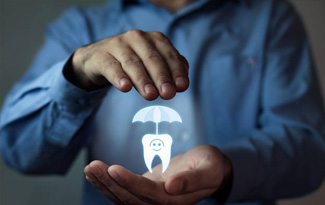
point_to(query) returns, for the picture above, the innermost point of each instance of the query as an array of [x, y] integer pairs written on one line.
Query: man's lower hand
[[190, 177]]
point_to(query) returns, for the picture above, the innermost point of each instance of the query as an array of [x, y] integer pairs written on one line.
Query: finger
[[99, 169], [102, 175], [177, 66], [154, 63], [134, 68], [186, 63], [191, 198], [100, 186], [145, 189], [113, 72], [193, 180]]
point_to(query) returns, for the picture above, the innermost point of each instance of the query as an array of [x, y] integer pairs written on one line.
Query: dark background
[[22, 24]]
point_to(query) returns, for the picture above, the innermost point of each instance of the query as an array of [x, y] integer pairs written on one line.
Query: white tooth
[[147, 153], [157, 145], [166, 152]]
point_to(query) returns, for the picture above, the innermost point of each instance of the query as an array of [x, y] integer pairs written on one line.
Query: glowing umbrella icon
[[156, 114], [157, 145]]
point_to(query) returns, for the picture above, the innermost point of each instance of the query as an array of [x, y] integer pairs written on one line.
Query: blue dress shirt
[[253, 93]]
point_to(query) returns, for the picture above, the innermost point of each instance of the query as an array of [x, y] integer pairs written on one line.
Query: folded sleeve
[[42, 115], [285, 155]]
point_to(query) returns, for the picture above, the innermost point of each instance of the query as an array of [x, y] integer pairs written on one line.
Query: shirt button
[[251, 61]]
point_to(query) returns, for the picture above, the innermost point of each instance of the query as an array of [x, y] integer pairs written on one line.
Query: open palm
[[190, 177]]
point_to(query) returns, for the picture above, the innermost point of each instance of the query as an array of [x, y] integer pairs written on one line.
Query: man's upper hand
[[146, 60]]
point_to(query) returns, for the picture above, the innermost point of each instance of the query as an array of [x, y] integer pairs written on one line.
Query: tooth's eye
[[159, 144], [154, 144]]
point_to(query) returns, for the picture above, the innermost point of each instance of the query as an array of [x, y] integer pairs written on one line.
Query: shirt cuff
[[73, 106], [244, 162], [67, 94]]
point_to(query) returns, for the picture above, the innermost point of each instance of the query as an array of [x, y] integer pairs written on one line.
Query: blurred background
[[22, 24]]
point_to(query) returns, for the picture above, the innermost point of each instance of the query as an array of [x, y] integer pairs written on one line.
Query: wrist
[[75, 74]]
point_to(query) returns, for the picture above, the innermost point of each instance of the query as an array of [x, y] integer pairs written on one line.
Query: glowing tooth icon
[[157, 144]]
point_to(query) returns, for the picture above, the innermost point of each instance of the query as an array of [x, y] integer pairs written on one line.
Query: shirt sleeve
[[285, 156], [42, 115]]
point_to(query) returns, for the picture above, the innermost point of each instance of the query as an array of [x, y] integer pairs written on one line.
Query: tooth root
[[165, 158], [165, 155], [148, 157]]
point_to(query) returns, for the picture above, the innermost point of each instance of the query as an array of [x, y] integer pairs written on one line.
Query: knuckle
[[143, 79], [101, 54], [130, 58], [127, 54], [159, 35], [116, 40], [112, 63], [83, 55], [133, 61], [79, 55], [154, 56], [162, 78], [135, 33], [173, 55]]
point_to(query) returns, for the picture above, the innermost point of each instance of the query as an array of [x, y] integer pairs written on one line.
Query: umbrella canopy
[[156, 114]]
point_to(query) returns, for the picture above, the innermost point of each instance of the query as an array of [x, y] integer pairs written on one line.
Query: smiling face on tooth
[[157, 144]]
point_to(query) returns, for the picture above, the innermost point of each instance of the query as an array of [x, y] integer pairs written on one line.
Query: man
[[253, 128]]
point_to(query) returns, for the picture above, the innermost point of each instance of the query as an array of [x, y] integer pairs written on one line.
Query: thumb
[[194, 180]]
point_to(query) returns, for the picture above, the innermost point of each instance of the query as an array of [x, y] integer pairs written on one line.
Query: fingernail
[[149, 89], [167, 88], [96, 171], [114, 174], [181, 82], [123, 82]]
